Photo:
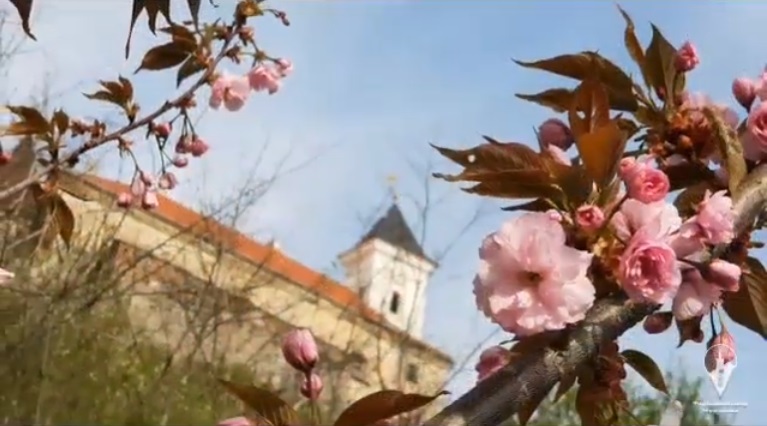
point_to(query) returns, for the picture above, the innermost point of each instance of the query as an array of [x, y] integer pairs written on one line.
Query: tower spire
[[392, 182]]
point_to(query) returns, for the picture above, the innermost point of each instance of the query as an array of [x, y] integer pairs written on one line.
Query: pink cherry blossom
[[686, 58], [626, 166], [755, 140], [529, 280], [231, 91], [714, 222], [695, 296], [554, 132], [646, 184], [695, 102], [659, 219], [555, 215], [724, 274], [264, 78], [589, 217], [491, 360], [162, 130], [648, 270], [138, 187]]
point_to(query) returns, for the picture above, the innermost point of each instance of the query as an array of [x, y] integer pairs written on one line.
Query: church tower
[[390, 271]]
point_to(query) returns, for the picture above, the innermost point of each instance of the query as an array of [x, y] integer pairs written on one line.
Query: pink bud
[[180, 161], [162, 130], [198, 148], [149, 201], [137, 187], [554, 215], [124, 200], [686, 58], [658, 322], [311, 387], [491, 360], [236, 421], [555, 132], [167, 181], [744, 90], [183, 145], [724, 274], [720, 349], [627, 166], [147, 178], [300, 350], [5, 158], [284, 67], [589, 217], [6, 276]]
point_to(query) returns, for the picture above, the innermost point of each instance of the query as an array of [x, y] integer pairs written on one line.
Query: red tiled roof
[[203, 227]]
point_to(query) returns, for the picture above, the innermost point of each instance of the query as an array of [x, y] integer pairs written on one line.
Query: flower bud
[[180, 161], [6, 276], [236, 421], [491, 360], [5, 158], [183, 146], [124, 200], [720, 350], [686, 58], [658, 322], [162, 130], [149, 201], [198, 148], [555, 132], [147, 178], [744, 90], [723, 274], [167, 181], [311, 387], [300, 350], [589, 217]]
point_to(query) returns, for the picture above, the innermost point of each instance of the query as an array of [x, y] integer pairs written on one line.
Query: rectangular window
[[394, 303], [411, 373]]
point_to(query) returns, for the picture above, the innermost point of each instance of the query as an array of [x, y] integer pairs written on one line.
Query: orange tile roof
[[207, 228]]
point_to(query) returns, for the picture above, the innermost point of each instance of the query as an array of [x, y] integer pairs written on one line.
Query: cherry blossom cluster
[[537, 273]]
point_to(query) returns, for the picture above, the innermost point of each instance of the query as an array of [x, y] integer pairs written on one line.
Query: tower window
[[394, 303], [411, 373]]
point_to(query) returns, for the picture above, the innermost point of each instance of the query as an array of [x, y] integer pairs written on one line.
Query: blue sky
[[375, 82]]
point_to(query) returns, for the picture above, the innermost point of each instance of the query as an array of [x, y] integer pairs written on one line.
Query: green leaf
[[646, 367], [265, 403], [748, 307], [382, 405]]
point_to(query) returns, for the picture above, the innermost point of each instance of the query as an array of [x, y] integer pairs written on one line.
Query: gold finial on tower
[[392, 180]]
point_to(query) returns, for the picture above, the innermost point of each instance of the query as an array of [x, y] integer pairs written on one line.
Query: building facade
[[185, 271]]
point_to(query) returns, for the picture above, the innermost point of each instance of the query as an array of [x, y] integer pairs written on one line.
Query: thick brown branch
[[499, 397]]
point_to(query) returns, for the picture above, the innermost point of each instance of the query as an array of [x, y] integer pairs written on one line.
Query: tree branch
[[500, 396]]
